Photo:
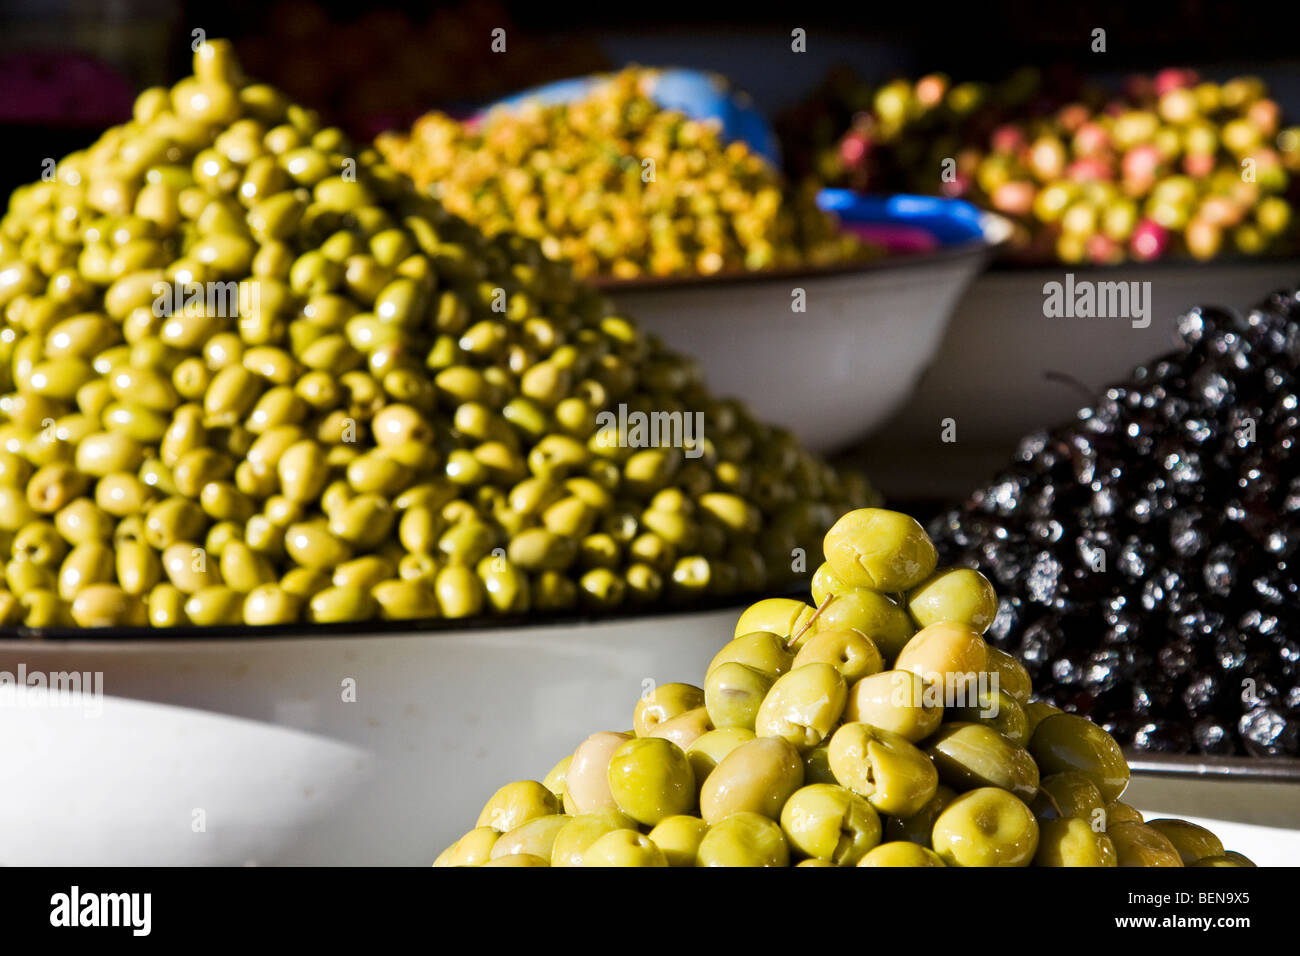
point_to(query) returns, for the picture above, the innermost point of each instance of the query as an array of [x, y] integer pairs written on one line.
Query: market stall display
[[374, 430]]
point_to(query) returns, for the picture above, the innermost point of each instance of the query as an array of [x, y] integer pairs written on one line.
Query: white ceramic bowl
[[831, 373], [244, 751], [234, 751]]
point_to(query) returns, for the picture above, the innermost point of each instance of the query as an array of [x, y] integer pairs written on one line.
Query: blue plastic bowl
[[950, 221]]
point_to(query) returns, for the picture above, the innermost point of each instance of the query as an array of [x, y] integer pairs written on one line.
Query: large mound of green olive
[[249, 375], [835, 741]]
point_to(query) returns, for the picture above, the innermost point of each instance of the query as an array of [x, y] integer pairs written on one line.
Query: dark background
[[959, 36], [970, 39], [436, 55]]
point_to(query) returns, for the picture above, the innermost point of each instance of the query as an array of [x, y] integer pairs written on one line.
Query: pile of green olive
[[249, 375], [620, 187], [876, 728]]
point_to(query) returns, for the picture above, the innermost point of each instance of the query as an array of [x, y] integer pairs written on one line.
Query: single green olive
[[244, 569], [881, 550], [139, 567], [762, 651], [82, 521], [586, 783], [830, 822], [473, 849], [955, 596], [888, 770], [733, 694], [459, 591], [744, 838], [302, 471], [899, 853], [869, 613], [515, 804], [685, 728], [898, 701], [708, 749], [1193, 843], [650, 778], [825, 583], [969, 755], [951, 656], [302, 583], [850, 652], [758, 776], [986, 827], [215, 606], [39, 543], [311, 544], [678, 837], [803, 706], [623, 847], [780, 616], [1071, 841], [1064, 742], [406, 599], [85, 565], [1137, 844], [268, 604], [534, 838], [664, 702], [363, 572], [333, 605], [167, 606], [106, 605]]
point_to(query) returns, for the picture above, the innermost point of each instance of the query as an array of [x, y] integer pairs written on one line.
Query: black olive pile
[[1146, 552]]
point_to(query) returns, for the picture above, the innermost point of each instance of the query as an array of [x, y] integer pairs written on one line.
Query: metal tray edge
[[1202, 767]]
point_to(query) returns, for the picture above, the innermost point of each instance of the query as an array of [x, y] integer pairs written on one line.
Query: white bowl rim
[[33, 638]]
